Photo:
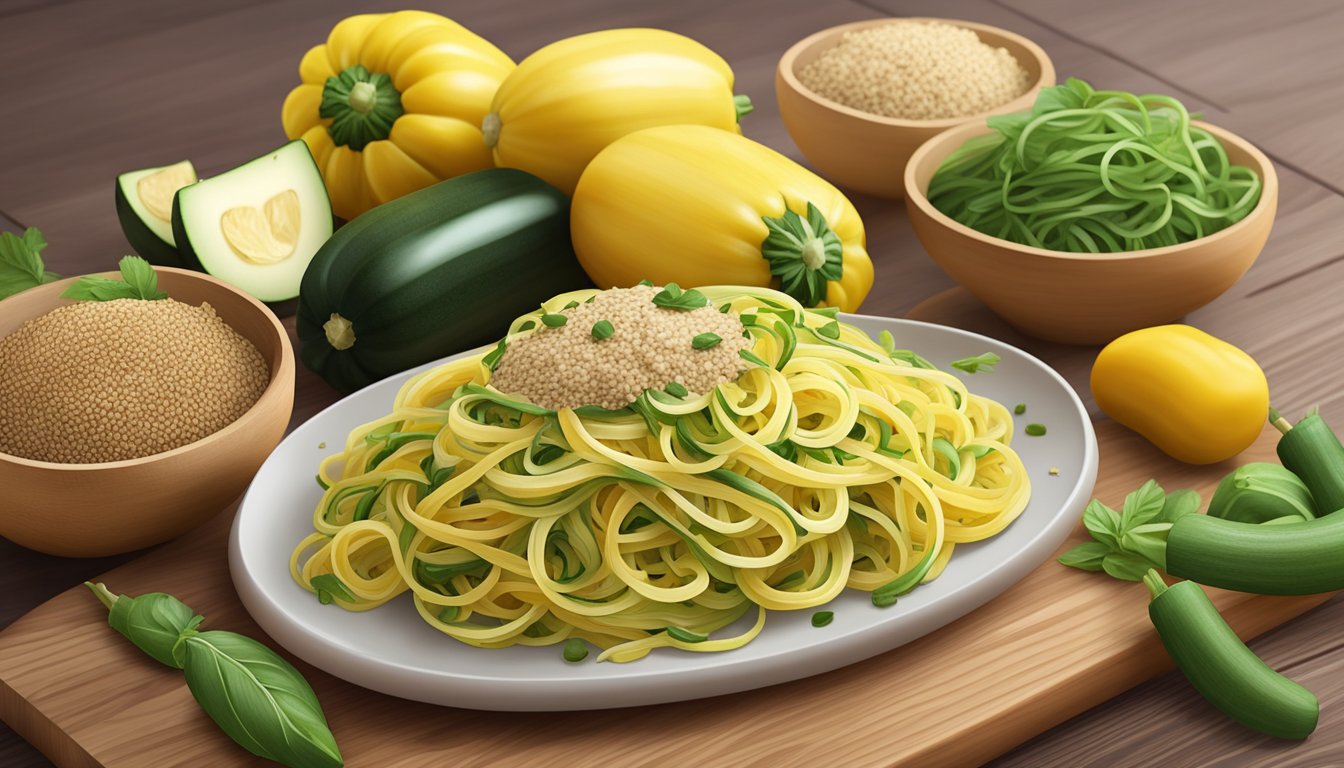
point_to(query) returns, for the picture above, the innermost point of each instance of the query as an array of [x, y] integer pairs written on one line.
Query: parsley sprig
[[21, 264], [138, 281], [1127, 543]]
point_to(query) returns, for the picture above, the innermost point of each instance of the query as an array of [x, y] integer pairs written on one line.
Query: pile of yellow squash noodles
[[831, 462]]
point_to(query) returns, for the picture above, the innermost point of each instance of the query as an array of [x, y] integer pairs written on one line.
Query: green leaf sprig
[[21, 264], [1127, 543], [138, 281], [983, 362], [673, 297], [260, 700]]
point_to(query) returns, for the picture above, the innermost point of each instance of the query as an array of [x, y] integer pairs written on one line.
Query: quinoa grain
[[105, 381], [916, 71], [566, 366]]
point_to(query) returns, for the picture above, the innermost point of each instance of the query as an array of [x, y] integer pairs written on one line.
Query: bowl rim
[[269, 393], [918, 197], [786, 62]]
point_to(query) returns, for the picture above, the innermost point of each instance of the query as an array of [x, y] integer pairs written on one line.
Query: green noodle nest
[[1092, 171]]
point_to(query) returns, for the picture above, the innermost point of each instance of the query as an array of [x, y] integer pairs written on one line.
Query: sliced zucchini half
[[257, 226], [145, 209]]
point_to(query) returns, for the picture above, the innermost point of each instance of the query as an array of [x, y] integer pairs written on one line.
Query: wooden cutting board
[[1052, 646]]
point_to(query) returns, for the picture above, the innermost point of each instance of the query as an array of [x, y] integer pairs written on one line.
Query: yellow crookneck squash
[[393, 102], [700, 206], [569, 100]]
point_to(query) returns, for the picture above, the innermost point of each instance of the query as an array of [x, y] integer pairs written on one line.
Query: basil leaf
[[259, 699], [1124, 566], [673, 297], [1148, 541], [1103, 523], [154, 622], [1087, 556], [1142, 506], [1179, 504], [21, 264]]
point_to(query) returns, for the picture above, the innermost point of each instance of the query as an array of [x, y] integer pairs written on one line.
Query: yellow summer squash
[[1196, 397], [701, 206]]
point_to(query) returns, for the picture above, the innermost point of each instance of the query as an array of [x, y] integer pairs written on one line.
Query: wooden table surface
[[95, 88]]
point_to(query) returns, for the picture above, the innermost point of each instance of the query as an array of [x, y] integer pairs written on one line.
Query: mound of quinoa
[[105, 381], [916, 71], [650, 347]]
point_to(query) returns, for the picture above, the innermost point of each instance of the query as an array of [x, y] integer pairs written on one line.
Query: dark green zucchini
[[436, 272]]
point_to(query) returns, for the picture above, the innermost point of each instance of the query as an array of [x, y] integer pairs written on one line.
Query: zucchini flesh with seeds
[[1304, 558], [1225, 672]]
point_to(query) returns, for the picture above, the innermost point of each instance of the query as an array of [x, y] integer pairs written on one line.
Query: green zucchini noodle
[[1095, 172], [840, 462]]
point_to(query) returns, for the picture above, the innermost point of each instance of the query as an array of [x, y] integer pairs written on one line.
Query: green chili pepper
[[254, 695], [1224, 671]]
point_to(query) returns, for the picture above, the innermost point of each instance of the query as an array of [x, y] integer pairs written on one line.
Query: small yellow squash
[[392, 103], [1196, 397], [567, 101], [701, 206]]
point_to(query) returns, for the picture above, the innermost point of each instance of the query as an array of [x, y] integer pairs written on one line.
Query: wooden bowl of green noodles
[[1088, 298], [89, 510]]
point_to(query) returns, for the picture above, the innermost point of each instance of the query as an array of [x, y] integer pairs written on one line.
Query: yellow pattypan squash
[[393, 102]]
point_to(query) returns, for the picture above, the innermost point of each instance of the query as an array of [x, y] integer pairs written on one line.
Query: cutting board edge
[[28, 721]]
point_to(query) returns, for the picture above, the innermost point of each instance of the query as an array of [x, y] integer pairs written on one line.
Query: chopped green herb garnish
[[706, 340], [138, 281], [491, 360], [673, 297], [448, 614], [572, 305], [603, 329], [646, 282], [553, 320], [983, 362], [575, 650], [723, 308], [328, 588], [1035, 430], [822, 618], [676, 389], [1020, 408], [884, 599], [830, 330]]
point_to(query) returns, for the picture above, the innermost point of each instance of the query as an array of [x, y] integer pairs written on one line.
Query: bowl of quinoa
[[859, 98], [125, 423]]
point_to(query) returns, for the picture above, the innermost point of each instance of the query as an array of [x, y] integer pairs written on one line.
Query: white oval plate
[[390, 649]]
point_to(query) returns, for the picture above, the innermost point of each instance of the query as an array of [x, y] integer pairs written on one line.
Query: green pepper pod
[[1301, 558], [1260, 492], [1312, 451], [1220, 666]]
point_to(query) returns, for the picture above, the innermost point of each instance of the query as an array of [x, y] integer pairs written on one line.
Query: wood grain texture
[[104, 87]]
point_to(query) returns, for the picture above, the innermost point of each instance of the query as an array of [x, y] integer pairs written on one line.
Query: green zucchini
[[145, 210], [1303, 558], [435, 272], [1312, 451], [1220, 666]]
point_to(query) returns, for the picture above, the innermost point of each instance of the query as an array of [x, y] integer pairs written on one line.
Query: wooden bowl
[[867, 153], [1077, 298], [88, 510]]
